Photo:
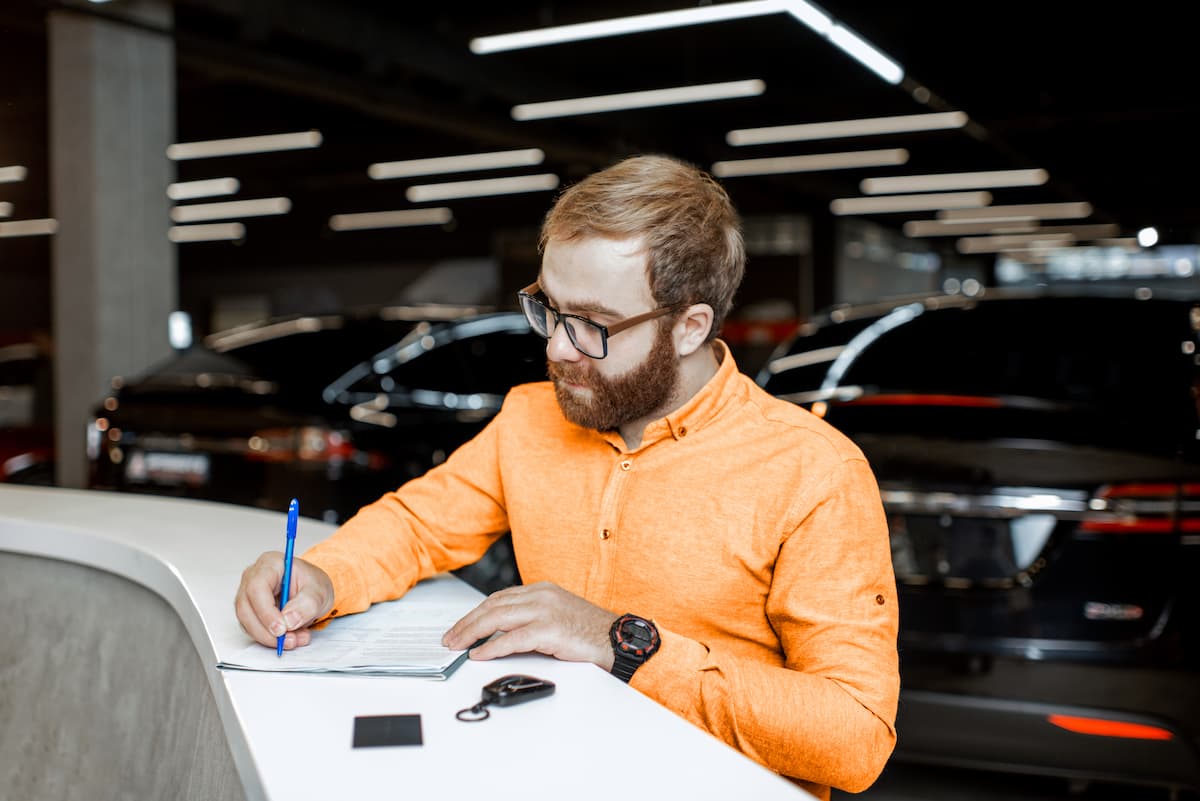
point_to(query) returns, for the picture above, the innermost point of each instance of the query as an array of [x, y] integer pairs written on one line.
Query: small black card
[[376, 730]]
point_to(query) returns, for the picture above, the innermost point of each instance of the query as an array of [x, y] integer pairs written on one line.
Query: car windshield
[[487, 354], [1106, 370], [313, 354]]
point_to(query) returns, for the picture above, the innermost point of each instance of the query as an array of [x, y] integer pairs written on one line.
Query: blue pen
[[293, 516]]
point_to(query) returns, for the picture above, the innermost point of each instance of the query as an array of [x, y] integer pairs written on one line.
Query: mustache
[[574, 373]]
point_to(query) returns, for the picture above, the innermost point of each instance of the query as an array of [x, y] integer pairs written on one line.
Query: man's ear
[[691, 331]]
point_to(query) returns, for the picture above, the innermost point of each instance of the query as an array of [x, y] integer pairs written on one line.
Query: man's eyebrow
[[583, 306], [594, 307]]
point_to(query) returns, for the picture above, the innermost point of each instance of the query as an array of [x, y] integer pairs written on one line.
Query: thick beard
[[614, 402]]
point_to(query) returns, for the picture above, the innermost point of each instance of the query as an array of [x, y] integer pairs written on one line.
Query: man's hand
[[257, 602], [540, 617]]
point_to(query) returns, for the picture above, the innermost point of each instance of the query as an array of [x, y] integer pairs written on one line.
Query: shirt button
[[627, 465], [605, 534]]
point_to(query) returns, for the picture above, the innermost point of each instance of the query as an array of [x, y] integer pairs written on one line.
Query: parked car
[[26, 433], [1038, 457], [334, 410]]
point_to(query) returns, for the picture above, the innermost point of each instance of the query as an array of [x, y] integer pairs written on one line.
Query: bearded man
[[722, 551]]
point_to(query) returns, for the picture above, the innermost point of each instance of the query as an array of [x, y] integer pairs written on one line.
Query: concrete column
[[112, 115]]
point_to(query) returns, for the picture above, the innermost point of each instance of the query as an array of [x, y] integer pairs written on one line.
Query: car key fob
[[506, 691], [516, 689]]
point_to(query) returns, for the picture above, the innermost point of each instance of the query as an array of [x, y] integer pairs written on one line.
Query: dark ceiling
[[1103, 98]]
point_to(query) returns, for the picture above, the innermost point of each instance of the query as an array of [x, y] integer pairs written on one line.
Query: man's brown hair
[[690, 230]]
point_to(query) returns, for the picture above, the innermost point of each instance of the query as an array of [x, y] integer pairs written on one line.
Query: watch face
[[637, 636]]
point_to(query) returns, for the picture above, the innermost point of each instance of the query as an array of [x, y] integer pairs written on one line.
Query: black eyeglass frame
[[606, 331]]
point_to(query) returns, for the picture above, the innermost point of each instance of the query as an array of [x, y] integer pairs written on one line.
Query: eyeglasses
[[589, 337]]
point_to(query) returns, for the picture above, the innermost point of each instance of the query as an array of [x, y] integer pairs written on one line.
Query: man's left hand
[[540, 617]]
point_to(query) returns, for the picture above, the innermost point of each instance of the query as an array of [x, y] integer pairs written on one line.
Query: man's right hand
[[257, 602]]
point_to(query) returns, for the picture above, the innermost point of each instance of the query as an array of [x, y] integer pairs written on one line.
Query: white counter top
[[290, 735]]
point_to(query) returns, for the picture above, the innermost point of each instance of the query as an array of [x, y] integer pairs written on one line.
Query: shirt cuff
[[671, 676]]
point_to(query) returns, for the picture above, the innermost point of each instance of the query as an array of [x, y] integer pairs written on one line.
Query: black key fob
[[516, 689]]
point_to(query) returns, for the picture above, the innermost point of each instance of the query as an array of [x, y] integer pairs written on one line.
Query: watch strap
[[625, 665]]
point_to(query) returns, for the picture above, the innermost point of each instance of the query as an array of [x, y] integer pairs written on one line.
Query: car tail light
[[302, 444], [1103, 727], [1146, 508]]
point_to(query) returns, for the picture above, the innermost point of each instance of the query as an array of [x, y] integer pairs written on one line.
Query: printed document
[[392, 638]]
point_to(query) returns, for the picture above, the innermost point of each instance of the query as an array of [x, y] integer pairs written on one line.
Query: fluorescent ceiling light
[[644, 99], [6, 209], [28, 227], [234, 208], [885, 205], [624, 25], [390, 219], [810, 15], [995, 244], [938, 228], [989, 179], [1045, 211], [866, 54], [422, 193], [187, 190], [812, 163], [870, 126], [216, 232], [9, 175], [816, 19], [996, 219], [920, 228], [243, 145], [1083, 232], [444, 164]]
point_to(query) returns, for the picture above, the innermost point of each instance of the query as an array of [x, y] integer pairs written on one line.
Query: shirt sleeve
[[440, 521], [826, 716]]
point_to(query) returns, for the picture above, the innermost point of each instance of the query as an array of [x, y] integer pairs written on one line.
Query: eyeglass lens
[[586, 336]]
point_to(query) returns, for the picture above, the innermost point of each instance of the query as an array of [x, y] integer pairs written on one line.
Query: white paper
[[401, 637]]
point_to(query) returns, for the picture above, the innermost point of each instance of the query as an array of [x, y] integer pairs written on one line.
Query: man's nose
[[559, 347]]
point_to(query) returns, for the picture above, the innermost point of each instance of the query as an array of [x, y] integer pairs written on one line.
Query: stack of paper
[[393, 638]]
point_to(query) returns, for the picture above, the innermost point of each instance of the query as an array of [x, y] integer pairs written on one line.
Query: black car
[[1039, 461], [26, 409], [334, 410]]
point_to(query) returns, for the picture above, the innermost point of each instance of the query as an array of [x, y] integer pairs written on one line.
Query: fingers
[[256, 604], [258, 599], [295, 639], [311, 597], [517, 641], [498, 612], [541, 617]]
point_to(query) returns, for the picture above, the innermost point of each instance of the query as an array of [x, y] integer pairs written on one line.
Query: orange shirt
[[750, 531]]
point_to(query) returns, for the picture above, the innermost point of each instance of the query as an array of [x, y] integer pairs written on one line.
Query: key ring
[[474, 713], [506, 691]]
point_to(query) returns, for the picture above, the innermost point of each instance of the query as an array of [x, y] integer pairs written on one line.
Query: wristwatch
[[634, 640]]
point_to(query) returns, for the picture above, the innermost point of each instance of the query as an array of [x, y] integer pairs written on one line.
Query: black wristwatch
[[634, 640]]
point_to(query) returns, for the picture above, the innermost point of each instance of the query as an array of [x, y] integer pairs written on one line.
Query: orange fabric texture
[[749, 530]]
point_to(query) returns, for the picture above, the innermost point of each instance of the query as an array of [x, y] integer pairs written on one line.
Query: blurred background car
[[26, 407], [334, 410], [1039, 461]]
